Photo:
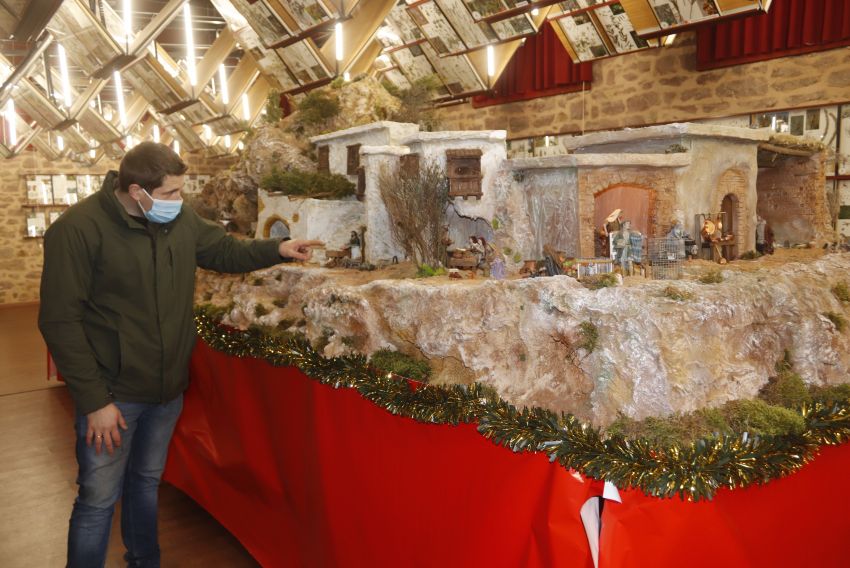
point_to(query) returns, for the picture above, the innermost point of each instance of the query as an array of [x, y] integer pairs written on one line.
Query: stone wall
[[792, 200], [20, 257], [662, 85]]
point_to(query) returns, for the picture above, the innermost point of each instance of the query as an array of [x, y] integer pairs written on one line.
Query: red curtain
[[790, 27], [540, 68]]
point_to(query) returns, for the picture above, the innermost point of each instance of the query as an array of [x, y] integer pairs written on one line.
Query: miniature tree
[[416, 203]]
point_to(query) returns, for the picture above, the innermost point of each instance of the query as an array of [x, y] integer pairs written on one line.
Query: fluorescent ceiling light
[[491, 61], [60, 142], [156, 133], [207, 132], [66, 82], [119, 94], [227, 141], [190, 44], [246, 107], [11, 119], [222, 79], [338, 37], [346, 76], [535, 12], [176, 146]]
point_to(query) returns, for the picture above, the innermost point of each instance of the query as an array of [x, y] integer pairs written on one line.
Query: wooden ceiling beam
[[219, 51]]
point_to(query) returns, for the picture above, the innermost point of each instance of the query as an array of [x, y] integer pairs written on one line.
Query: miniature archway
[[275, 228], [730, 198]]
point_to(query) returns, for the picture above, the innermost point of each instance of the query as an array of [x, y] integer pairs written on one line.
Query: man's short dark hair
[[147, 165]]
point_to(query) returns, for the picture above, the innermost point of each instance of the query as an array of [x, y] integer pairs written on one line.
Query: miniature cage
[[593, 266], [666, 256]]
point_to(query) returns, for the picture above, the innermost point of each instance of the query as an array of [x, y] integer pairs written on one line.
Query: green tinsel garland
[[693, 472]]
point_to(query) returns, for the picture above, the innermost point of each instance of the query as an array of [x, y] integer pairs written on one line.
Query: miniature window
[[464, 173], [353, 159], [325, 159], [409, 165]]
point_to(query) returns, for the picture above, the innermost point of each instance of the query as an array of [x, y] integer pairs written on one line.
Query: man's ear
[[135, 191]]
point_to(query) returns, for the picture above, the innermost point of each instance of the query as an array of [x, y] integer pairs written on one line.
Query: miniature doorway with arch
[[634, 201], [275, 228], [729, 208]]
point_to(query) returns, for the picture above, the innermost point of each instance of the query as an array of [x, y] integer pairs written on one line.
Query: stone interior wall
[[662, 85], [20, 257], [663, 198], [791, 199]]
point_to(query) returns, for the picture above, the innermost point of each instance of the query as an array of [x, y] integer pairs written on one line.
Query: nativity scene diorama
[[646, 273]]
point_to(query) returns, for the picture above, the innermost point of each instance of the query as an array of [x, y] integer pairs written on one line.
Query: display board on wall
[[48, 195]]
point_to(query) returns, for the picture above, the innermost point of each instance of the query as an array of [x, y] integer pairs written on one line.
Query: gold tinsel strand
[[693, 472]]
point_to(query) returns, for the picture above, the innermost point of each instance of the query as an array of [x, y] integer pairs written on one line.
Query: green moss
[[517, 258], [273, 111], [841, 291], [711, 277], [677, 294], [750, 255], [786, 389], [260, 310], [427, 271], [598, 281], [317, 185], [401, 364], [675, 429], [758, 417], [838, 320], [495, 223], [588, 336]]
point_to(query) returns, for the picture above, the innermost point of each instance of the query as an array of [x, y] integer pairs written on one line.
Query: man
[[116, 313]]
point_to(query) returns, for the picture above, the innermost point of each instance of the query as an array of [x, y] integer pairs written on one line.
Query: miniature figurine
[[761, 224], [497, 267], [628, 245], [354, 243]]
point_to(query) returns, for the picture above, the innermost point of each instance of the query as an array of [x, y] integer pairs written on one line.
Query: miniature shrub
[[588, 336], [838, 320], [831, 393], [750, 255], [597, 281], [427, 271], [317, 185], [495, 223], [758, 417], [316, 108], [711, 277], [517, 258], [677, 294], [842, 292], [416, 102], [401, 364], [260, 310], [273, 111]]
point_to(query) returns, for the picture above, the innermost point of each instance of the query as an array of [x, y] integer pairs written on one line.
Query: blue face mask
[[162, 210]]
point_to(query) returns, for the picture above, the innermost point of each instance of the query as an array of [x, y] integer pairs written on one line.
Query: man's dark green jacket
[[117, 297]]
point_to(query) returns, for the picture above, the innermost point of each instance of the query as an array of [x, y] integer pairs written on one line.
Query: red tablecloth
[[306, 475]]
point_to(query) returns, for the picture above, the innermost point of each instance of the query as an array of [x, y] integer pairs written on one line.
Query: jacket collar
[[109, 201]]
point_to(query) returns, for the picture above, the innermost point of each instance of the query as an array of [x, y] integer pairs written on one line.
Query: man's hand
[[298, 249], [103, 428]]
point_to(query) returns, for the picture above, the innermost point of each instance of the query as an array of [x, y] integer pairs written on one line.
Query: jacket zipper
[[153, 238]]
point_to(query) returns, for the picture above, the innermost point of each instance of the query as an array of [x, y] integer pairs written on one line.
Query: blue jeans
[[134, 470]]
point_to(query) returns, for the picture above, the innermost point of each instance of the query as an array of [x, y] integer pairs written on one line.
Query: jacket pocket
[[106, 346]]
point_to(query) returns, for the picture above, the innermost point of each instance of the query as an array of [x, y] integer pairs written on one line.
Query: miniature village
[[644, 273]]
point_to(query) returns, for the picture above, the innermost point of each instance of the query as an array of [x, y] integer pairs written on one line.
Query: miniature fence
[[593, 266]]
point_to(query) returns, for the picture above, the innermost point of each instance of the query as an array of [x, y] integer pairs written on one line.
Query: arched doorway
[[729, 208], [634, 201], [275, 228]]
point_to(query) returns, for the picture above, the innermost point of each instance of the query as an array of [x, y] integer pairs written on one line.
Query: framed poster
[[36, 223], [672, 13], [264, 21], [413, 62], [39, 190], [473, 34], [616, 23], [517, 26], [304, 62], [583, 36], [437, 28], [308, 13], [401, 23], [456, 71]]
